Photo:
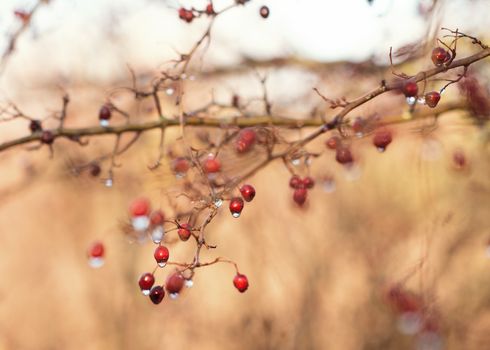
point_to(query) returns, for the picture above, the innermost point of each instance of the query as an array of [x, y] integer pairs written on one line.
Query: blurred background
[[391, 254]]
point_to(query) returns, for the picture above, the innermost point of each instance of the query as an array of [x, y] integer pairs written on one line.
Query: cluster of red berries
[[189, 15], [47, 136], [144, 220], [301, 187], [410, 89], [237, 204]]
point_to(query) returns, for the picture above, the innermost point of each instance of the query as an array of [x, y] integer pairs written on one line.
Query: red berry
[[432, 98], [308, 182], [440, 56], [184, 232], [410, 89], [210, 10], [245, 141], [299, 196], [343, 155], [47, 137], [145, 282], [295, 182], [186, 15], [156, 294], [333, 142], [105, 112], [248, 192], [381, 139], [264, 11], [180, 166], [161, 255], [211, 165], [96, 250], [240, 282], [35, 125], [459, 159], [139, 207], [236, 206], [175, 283], [95, 169], [157, 217]]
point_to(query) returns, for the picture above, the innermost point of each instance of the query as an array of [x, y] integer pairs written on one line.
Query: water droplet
[[189, 283], [236, 215], [174, 296], [95, 263], [218, 202], [180, 175], [421, 100], [104, 123], [140, 223], [411, 100], [295, 161], [145, 292], [329, 185], [359, 134], [380, 149], [162, 264], [169, 91], [108, 182], [157, 234], [409, 323]]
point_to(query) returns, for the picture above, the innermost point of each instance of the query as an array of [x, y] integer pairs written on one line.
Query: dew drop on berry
[[162, 264], [104, 123], [236, 215], [157, 234], [174, 296], [189, 283], [411, 100], [218, 202], [140, 223], [381, 149], [169, 91], [108, 183], [96, 262]]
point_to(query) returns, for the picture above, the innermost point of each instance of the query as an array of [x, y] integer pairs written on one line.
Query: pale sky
[[97, 38]]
